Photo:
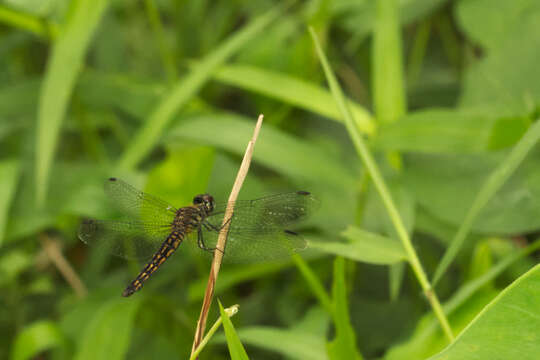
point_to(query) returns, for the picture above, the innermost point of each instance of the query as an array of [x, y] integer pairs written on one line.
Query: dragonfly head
[[205, 201]]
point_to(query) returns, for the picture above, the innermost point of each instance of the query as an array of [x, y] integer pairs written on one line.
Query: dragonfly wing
[[257, 228], [268, 214], [137, 203], [127, 239]]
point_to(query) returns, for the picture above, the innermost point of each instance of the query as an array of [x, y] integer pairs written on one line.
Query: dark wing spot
[[301, 192], [290, 232], [112, 179]]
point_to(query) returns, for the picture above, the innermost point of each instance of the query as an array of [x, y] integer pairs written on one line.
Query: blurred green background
[[164, 94]]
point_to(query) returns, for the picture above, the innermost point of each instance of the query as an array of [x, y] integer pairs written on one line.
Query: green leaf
[[314, 283], [507, 328], [493, 183], [508, 75], [290, 343], [344, 344], [63, 67], [276, 149], [388, 88], [236, 349], [9, 174], [36, 338], [150, 133], [364, 246], [293, 91], [449, 131], [108, 334]]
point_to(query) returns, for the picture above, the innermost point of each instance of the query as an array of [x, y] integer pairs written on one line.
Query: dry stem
[[52, 249], [222, 239]]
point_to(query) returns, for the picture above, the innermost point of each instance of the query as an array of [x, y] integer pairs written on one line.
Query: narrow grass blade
[[9, 174], [236, 349], [231, 311], [187, 87], [493, 183], [63, 67], [344, 344], [35, 339], [314, 283], [388, 88], [293, 91], [27, 22], [382, 189]]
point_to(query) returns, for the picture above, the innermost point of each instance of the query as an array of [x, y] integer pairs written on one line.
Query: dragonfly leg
[[209, 226], [200, 242]]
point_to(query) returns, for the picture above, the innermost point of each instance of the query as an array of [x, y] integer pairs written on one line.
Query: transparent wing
[[257, 229], [267, 214], [143, 206], [127, 239]]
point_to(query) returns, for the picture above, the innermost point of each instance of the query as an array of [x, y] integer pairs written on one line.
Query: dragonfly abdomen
[[167, 248]]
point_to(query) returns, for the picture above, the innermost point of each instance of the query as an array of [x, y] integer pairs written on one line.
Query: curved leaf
[[507, 328]]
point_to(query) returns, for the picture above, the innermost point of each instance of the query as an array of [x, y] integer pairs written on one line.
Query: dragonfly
[[154, 229]]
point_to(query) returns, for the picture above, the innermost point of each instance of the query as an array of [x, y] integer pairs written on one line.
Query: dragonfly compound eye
[[198, 199]]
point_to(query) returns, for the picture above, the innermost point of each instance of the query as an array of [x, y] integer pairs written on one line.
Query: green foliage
[[515, 305], [236, 349], [418, 135]]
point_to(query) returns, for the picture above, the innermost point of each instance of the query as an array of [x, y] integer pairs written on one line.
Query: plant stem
[[222, 238], [382, 189]]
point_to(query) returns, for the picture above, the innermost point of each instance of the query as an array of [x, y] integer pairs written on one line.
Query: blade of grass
[[314, 283], [63, 68], [230, 311], [9, 173], [388, 88], [293, 91], [344, 344], [236, 349], [150, 133], [28, 23], [382, 189], [493, 183], [164, 51]]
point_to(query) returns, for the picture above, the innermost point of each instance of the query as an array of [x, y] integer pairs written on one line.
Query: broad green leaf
[[492, 23], [507, 328], [275, 148], [344, 344], [461, 308], [293, 91], [364, 246], [493, 183], [388, 89], [108, 334], [290, 343], [445, 186], [236, 349], [508, 75], [35, 339], [152, 130], [449, 131], [9, 175], [63, 67]]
